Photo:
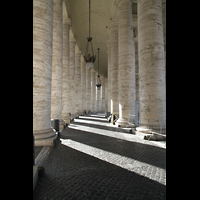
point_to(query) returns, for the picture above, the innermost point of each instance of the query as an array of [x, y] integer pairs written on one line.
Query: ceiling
[[101, 13]]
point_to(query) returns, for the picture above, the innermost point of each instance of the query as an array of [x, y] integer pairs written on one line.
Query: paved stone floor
[[95, 160]]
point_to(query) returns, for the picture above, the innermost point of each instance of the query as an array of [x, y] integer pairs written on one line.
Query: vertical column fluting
[[57, 63], [151, 61], [42, 71], [93, 91], [72, 43], [109, 74], [83, 84], [114, 66], [88, 90], [126, 62], [77, 80], [66, 69]]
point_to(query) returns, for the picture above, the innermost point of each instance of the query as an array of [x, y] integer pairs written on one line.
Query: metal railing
[[157, 126]]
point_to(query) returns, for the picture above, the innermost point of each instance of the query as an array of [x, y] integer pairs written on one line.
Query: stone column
[[106, 94], [66, 69], [114, 66], [126, 62], [151, 61], [78, 80], [109, 74], [137, 93], [88, 90], [57, 64], [103, 93], [72, 43], [83, 84], [93, 91], [164, 30], [42, 71], [97, 95]]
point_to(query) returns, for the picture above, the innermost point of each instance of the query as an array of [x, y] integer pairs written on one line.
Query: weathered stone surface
[[83, 85], [88, 89], [93, 91], [114, 66], [72, 43], [42, 71], [77, 80], [66, 69], [151, 61], [57, 62], [126, 62]]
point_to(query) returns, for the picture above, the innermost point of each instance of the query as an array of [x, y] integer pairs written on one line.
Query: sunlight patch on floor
[[116, 159]]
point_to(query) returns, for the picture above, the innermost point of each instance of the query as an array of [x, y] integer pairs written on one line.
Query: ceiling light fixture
[[98, 77], [89, 59]]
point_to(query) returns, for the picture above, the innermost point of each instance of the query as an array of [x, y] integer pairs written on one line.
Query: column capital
[[77, 50], [72, 40]]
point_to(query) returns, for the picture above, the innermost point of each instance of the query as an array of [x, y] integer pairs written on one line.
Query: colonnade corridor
[[96, 160]]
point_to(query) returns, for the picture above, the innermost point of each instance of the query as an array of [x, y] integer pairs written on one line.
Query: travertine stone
[[88, 90], [137, 88], [126, 62], [151, 61], [57, 62], [66, 69], [109, 74], [77, 80], [42, 71], [164, 30], [83, 84], [106, 94], [72, 43], [93, 91], [114, 66], [98, 95], [103, 92]]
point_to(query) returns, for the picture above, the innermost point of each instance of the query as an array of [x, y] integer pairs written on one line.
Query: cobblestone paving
[[76, 174]]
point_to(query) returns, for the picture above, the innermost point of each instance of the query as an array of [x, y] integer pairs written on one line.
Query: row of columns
[[142, 79], [61, 82]]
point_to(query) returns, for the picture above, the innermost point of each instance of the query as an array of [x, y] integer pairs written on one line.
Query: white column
[[164, 31], [103, 93], [78, 80], [42, 71], [137, 93], [114, 66], [66, 69], [57, 63], [98, 94], [109, 74], [88, 89], [126, 63], [83, 84], [151, 61], [106, 94], [72, 43], [93, 91]]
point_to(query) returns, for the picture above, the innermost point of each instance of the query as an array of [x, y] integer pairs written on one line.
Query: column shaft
[[42, 71], [72, 43], [57, 62], [83, 84], [109, 74], [93, 91], [151, 61], [78, 80], [66, 69], [103, 92], [114, 66], [126, 62], [88, 89]]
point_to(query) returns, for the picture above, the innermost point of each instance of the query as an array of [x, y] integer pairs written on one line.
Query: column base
[[121, 122], [45, 137]]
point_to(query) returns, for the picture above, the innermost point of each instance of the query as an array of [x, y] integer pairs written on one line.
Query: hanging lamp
[[89, 59], [98, 77]]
